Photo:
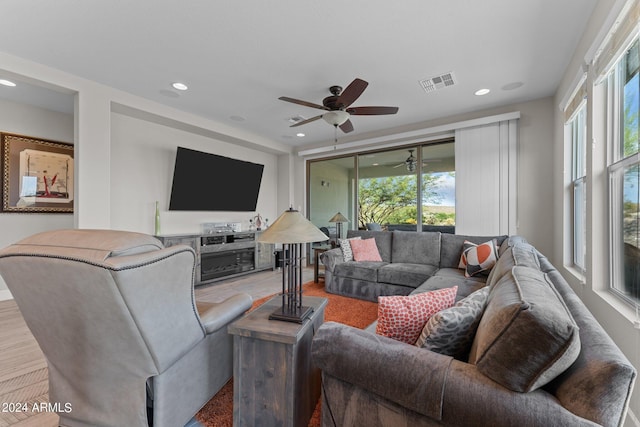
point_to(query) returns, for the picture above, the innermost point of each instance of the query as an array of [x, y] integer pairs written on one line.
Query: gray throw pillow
[[345, 245], [451, 331]]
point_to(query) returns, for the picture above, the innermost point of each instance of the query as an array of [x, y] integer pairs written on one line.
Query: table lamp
[[338, 219], [292, 230]]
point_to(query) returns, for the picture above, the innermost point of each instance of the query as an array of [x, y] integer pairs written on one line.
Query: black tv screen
[[208, 182]]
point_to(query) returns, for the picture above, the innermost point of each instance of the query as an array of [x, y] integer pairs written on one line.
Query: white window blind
[[625, 29]]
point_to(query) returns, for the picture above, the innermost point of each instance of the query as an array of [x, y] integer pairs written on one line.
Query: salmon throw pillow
[[403, 317], [365, 250]]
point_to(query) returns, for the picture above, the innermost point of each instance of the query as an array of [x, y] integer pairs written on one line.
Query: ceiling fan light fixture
[[410, 162], [335, 118]]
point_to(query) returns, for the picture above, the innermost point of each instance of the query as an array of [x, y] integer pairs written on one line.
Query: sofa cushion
[[345, 246], [451, 247], [477, 259], [451, 331], [416, 248], [405, 274], [466, 286], [403, 317], [364, 270], [365, 250], [383, 241], [527, 336]]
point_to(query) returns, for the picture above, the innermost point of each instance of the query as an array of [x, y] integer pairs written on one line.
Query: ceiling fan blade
[[371, 111], [347, 126], [351, 93], [304, 122], [305, 103]]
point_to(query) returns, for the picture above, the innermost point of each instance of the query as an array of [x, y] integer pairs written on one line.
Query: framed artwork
[[37, 175]]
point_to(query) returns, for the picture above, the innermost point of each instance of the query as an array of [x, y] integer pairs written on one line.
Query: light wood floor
[[23, 370]]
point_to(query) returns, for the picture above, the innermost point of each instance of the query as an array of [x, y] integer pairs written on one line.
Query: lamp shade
[[338, 218], [292, 227]]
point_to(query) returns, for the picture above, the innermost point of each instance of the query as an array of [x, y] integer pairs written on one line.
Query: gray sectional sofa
[[411, 262], [538, 356]]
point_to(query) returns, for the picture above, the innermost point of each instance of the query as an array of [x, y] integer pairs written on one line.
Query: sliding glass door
[[331, 191], [381, 189], [388, 190], [438, 188]]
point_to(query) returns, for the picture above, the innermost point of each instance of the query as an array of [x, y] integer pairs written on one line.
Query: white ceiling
[[238, 57]]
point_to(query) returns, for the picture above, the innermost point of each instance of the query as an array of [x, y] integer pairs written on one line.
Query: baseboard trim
[[5, 295]]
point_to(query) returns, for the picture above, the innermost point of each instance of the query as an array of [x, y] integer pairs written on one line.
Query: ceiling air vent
[[438, 82], [295, 119]]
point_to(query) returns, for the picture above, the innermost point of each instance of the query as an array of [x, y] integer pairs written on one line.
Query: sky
[[446, 189]]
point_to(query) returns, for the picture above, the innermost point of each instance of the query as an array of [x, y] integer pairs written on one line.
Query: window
[[577, 131], [383, 187], [623, 167]]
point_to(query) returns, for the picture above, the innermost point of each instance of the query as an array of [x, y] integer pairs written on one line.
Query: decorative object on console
[[338, 219], [157, 220], [292, 229], [403, 317], [258, 221]]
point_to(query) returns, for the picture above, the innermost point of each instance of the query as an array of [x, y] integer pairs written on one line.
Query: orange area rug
[[218, 412]]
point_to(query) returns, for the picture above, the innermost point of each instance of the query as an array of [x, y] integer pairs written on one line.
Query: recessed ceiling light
[[180, 86], [375, 164], [300, 134], [7, 83], [481, 92]]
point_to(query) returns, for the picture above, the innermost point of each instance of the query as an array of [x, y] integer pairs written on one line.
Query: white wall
[[142, 161], [535, 167], [331, 198], [102, 166], [37, 122]]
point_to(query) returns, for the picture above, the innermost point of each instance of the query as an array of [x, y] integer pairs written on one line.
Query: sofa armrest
[[331, 258], [383, 366], [217, 315]]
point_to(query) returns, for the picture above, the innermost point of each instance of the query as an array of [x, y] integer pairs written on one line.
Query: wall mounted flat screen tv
[[208, 182]]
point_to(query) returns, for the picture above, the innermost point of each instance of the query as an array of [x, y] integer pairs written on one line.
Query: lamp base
[[291, 314]]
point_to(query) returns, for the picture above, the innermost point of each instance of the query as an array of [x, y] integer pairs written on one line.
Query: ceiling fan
[[337, 107], [411, 162]]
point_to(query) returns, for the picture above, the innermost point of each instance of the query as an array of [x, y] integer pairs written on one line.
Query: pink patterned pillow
[[365, 250], [403, 317]]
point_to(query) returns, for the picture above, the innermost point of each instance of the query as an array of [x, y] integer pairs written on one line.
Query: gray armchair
[[114, 313]]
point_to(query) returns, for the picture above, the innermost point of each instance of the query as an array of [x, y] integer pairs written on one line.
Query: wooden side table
[[316, 261], [275, 383]]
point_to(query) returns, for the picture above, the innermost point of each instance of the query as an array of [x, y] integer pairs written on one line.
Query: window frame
[[577, 127], [616, 165]]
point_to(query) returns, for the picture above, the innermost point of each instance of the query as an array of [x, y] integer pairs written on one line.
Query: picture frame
[[37, 175]]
